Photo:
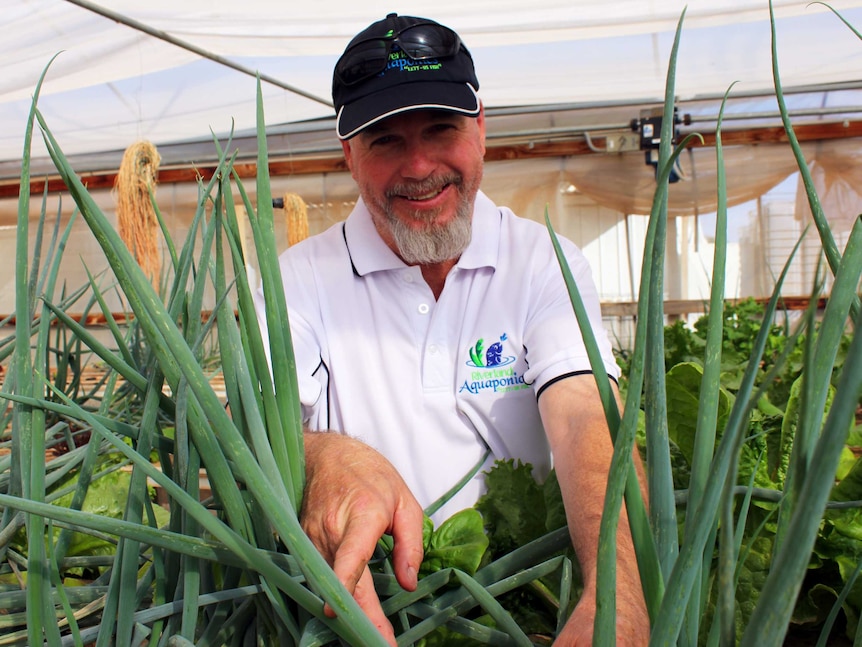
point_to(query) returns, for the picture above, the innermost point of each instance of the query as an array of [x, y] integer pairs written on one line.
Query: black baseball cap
[[398, 64]]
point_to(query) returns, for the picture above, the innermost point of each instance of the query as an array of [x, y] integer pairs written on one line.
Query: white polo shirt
[[434, 385]]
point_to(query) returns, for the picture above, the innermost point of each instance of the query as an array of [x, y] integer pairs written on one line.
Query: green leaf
[[427, 533], [791, 413], [445, 637], [846, 464], [460, 542], [752, 575], [683, 396], [513, 507], [839, 549], [814, 605], [850, 487], [854, 438]]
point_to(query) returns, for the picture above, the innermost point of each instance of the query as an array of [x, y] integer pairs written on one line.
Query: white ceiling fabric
[[112, 85]]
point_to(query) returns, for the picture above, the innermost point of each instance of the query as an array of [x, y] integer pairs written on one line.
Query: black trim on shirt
[[564, 376], [322, 365], [349, 255]]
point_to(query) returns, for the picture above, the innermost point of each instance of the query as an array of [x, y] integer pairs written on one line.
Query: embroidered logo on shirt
[[492, 369], [492, 357]]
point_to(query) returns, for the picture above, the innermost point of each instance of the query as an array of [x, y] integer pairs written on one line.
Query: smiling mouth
[[425, 196]]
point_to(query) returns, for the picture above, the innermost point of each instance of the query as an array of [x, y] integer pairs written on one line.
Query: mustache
[[422, 187]]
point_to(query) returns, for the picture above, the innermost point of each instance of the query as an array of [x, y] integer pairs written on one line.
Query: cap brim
[[443, 95]]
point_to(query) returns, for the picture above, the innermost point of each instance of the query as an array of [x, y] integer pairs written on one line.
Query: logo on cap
[[398, 60]]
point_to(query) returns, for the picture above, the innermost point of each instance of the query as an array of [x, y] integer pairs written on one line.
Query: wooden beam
[[679, 307], [334, 163], [185, 174], [777, 134]]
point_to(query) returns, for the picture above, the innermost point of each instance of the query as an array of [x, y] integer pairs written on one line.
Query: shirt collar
[[368, 252], [484, 246]]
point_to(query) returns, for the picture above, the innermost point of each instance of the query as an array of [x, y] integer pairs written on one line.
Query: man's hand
[[632, 623], [353, 496]]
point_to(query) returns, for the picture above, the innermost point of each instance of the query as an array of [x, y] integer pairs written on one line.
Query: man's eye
[[443, 127], [382, 140]]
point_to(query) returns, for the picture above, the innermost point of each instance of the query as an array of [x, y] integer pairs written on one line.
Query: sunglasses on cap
[[419, 42]]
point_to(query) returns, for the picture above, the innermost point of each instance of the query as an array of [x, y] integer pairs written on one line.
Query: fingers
[[351, 557], [366, 597], [353, 496], [407, 549]]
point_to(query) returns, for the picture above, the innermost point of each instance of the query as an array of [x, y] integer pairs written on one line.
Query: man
[[436, 328]]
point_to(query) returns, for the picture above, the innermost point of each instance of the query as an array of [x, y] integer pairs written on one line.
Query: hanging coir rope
[[296, 217], [138, 225]]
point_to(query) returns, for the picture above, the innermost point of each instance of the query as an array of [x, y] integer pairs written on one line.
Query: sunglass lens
[[362, 61], [428, 41]]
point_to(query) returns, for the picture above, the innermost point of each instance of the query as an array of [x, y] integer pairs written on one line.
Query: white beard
[[432, 245]]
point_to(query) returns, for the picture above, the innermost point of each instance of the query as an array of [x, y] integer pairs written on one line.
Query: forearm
[[582, 462], [575, 422]]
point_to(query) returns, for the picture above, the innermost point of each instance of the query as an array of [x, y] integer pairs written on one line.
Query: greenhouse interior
[[574, 92], [563, 90]]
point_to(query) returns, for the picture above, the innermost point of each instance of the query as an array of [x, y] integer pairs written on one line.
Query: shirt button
[[423, 308], [432, 349], [408, 277]]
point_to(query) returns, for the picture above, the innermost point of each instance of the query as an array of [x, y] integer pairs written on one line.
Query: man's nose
[[418, 162]]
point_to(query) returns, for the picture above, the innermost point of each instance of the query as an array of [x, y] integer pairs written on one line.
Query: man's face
[[418, 173]]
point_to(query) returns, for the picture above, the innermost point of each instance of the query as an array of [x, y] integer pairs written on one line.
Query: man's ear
[[480, 122], [345, 146]]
